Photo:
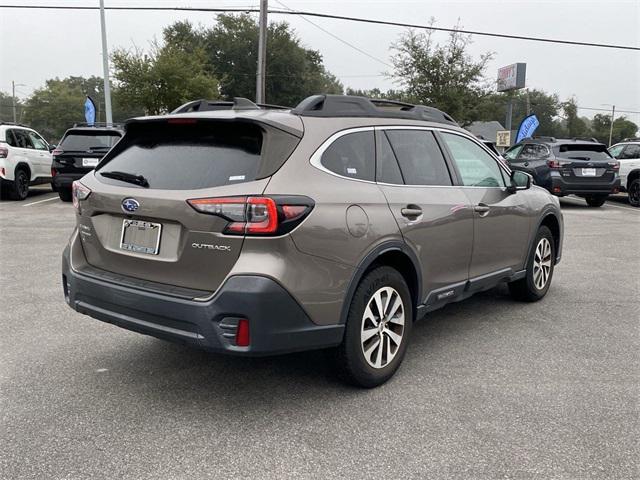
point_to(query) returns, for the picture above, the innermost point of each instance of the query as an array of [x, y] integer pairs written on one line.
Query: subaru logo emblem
[[130, 205]]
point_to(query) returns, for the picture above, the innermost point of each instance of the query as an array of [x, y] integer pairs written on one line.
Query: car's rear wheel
[[539, 271], [378, 329], [64, 194], [20, 188], [595, 201], [634, 192]]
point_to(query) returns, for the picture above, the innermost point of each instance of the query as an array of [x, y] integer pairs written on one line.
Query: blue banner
[[90, 111], [527, 127]]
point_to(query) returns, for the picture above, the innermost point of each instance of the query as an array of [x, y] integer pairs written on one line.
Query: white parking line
[[609, 203], [40, 201]]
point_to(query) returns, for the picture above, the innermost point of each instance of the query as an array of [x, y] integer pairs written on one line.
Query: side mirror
[[52, 148], [520, 181]]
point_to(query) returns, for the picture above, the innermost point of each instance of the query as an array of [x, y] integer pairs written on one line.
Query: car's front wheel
[[377, 330], [595, 201], [539, 271], [634, 192]]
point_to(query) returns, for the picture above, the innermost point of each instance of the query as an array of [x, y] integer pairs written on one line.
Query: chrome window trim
[[316, 157]]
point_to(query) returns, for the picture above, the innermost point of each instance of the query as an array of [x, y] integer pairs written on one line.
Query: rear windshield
[[87, 141], [189, 156], [583, 152]]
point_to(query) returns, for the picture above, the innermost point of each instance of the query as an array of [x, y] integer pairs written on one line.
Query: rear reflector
[[256, 215], [242, 333]]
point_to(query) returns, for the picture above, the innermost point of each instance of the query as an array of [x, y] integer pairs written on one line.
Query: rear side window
[[202, 155], [351, 155], [387, 170], [419, 156], [22, 139], [85, 142], [513, 152], [632, 151], [584, 152], [534, 151]]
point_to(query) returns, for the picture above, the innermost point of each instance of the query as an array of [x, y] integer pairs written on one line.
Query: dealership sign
[[503, 138], [511, 77]]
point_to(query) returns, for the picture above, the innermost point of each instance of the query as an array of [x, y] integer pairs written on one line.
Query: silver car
[[334, 225]]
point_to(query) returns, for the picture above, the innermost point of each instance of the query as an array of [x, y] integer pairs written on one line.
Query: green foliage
[[443, 76], [6, 108], [622, 128], [574, 125]]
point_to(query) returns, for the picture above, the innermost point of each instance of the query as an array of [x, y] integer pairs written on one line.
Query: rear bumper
[[558, 186], [277, 323], [64, 180]]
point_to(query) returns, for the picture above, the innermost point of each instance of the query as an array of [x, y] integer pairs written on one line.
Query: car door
[[41, 155], [501, 219], [629, 159], [26, 151], [432, 213]]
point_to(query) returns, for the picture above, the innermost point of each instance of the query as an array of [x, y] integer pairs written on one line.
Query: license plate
[[140, 237], [588, 172], [90, 162]]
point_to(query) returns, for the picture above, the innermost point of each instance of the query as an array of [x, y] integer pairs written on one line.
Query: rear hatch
[[164, 200], [81, 150], [585, 163]]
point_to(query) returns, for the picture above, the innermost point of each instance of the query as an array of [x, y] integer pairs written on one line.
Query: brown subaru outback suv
[[333, 225]]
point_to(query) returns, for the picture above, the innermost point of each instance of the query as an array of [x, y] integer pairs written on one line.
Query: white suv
[[24, 160], [627, 153]]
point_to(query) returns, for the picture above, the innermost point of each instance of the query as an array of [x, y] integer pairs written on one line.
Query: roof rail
[[546, 139], [97, 124], [238, 103], [586, 139], [15, 124], [631, 139], [354, 106]]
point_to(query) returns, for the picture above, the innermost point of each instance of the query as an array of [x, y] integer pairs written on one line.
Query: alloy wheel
[[542, 263], [382, 327], [634, 194]]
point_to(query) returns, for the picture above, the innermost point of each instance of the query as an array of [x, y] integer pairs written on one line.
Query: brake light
[[554, 164], [4, 152], [57, 151], [256, 215], [79, 193], [615, 165]]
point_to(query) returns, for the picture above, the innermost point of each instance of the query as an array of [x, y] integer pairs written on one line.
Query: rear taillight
[[78, 193], [553, 164], [4, 152], [57, 151], [54, 172], [614, 165], [256, 215]]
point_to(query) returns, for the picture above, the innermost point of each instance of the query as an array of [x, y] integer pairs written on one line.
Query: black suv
[[79, 151], [580, 167]]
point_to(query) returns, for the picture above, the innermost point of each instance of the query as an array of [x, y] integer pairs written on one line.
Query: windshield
[[583, 152], [84, 142]]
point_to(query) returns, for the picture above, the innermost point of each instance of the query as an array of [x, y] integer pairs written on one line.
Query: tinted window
[[184, 157], [583, 152], [533, 151], [419, 156], [37, 141], [84, 142], [477, 168], [11, 139], [632, 151], [387, 170], [513, 152], [22, 139], [352, 155], [615, 151]]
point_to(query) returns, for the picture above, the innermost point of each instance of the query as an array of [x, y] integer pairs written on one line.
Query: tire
[[634, 192], [541, 259], [595, 201], [385, 350], [20, 187], [64, 194]]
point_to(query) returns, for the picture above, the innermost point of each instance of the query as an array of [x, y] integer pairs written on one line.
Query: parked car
[[78, 152], [333, 225], [24, 160], [627, 153], [581, 167]]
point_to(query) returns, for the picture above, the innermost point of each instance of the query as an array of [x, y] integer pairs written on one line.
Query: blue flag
[[527, 127], [90, 111]]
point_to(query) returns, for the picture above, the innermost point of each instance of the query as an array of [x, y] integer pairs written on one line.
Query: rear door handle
[[411, 212], [481, 208]]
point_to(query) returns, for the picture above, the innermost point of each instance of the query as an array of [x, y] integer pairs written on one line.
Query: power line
[[338, 17]]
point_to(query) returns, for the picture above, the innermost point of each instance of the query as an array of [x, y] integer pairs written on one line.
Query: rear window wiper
[[126, 177], [98, 147]]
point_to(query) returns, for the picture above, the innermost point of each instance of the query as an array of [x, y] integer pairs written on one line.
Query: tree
[[622, 128], [6, 108], [443, 76], [574, 125], [293, 72]]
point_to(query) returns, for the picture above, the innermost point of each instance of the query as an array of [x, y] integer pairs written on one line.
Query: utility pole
[[613, 113], [13, 100], [507, 123], [262, 53], [105, 66]]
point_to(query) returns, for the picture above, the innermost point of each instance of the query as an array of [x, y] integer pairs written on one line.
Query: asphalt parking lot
[[490, 388]]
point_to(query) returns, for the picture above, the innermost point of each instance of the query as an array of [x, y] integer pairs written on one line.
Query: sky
[[37, 45]]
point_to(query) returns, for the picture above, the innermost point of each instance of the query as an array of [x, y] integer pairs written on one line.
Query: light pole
[[105, 66], [262, 53], [13, 98], [613, 113]]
